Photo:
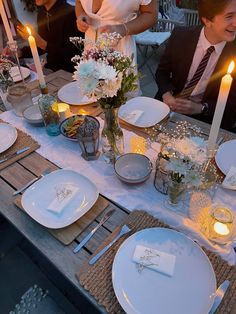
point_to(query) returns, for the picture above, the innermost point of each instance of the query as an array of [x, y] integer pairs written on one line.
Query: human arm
[[82, 19], [146, 18]]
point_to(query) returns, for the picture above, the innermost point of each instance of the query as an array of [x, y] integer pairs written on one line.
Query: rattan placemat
[[23, 140], [97, 278], [68, 234]]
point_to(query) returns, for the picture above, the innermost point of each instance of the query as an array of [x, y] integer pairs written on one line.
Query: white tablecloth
[[66, 154]]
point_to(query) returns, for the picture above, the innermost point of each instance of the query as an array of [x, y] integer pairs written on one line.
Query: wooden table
[[21, 172]]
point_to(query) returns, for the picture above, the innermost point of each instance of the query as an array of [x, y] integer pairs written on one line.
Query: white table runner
[[66, 154]]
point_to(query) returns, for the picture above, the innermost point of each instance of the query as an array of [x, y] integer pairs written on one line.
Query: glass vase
[[112, 138], [175, 191], [4, 84], [161, 179]]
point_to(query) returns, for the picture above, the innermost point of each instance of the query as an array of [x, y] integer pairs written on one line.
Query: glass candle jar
[[20, 98], [50, 117], [219, 226]]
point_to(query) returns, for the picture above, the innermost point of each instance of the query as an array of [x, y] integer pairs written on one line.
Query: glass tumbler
[[50, 117], [20, 98]]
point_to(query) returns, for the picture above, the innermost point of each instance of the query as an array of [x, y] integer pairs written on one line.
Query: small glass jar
[[20, 98], [161, 179], [219, 226], [50, 117]]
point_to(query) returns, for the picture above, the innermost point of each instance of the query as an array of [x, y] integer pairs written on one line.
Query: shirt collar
[[205, 44]]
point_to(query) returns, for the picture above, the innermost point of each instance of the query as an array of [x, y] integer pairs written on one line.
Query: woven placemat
[[23, 140], [97, 278], [68, 234]]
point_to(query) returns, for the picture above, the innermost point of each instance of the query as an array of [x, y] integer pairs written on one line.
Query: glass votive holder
[[62, 109], [50, 117], [88, 137], [20, 98], [218, 224]]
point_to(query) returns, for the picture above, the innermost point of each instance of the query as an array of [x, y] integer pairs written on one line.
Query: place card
[[154, 259], [64, 194], [230, 179], [133, 116]]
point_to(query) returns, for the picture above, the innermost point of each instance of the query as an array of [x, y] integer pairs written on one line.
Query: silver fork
[[125, 229], [24, 187]]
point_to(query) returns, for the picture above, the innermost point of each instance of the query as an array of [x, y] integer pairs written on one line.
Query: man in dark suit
[[194, 61]]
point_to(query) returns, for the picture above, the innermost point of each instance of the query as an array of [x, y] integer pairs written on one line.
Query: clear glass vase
[[4, 84], [175, 191], [112, 138]]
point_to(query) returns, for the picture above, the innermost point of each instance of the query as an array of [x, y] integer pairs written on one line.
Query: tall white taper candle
[[219, 110], [35, 54], [6, 22]]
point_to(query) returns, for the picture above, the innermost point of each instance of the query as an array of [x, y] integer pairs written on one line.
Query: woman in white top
[[126, 17]]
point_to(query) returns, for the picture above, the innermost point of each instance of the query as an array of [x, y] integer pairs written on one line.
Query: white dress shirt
[[202, 46]]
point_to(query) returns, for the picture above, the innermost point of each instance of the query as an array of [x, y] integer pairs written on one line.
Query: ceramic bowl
[[69, 127], [133, 168], [33, 115]]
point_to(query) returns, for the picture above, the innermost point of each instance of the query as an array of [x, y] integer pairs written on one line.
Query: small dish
[[70, 125], [133, 168], [33, 115]]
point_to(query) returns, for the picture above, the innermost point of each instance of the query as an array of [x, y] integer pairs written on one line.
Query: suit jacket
[[174, 67]]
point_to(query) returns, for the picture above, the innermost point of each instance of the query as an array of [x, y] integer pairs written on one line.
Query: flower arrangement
[[185, 154], [5, 66], [104, 73]]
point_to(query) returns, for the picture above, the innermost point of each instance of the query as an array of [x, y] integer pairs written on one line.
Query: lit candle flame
[[221, 228], [231, 67], [28, 30]]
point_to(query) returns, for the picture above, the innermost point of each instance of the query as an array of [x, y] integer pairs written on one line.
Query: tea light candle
[[137, 145], [221, 228], [62, 109]]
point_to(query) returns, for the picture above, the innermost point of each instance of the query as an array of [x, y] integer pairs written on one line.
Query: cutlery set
[[20, 151], [24, 187]]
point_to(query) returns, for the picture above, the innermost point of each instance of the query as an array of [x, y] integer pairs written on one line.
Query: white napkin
[[230, 179], [133, 116], [64, 194], [154, 259]]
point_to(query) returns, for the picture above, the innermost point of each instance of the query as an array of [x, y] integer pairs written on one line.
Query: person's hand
[[40, 42], [187, 106], [83, 22], [170, 100], [119, 29]]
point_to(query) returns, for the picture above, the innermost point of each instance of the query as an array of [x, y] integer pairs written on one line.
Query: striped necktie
[[187, 91]]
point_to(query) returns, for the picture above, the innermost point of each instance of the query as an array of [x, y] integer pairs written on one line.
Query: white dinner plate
[[37, 198], [225, 156], [8, 136], [72, 95], [15, 73], [152, 111], [190, 289]]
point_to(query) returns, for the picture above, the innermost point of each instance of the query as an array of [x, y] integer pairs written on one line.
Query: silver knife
[[219, 294], [89, 236], [20, 151]]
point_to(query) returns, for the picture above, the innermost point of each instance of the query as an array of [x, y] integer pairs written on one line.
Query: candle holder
[[14, 49], [62, 109], [88, 137], [219, 224]]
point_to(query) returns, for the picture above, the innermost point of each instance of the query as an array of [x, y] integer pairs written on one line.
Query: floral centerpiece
[[106, 75], [5, 77], [183, 156]]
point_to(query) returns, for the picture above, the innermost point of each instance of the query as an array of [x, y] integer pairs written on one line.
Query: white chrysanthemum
[[105, 72]]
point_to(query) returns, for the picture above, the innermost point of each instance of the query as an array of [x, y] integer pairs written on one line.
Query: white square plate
[[153, 111], [37, 198]]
